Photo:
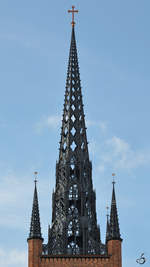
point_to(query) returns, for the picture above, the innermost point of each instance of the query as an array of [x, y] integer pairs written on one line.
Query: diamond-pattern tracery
[[73, 118], [74, 221], [73, 146], [73, 130]]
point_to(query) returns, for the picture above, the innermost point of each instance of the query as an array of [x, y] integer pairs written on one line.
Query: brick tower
[[74, 236]]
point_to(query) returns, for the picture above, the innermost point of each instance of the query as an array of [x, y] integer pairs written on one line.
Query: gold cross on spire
[[73, 11]]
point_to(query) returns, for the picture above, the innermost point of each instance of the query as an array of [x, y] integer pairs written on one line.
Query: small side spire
[[35, 227], [114, 222], [107, 226]]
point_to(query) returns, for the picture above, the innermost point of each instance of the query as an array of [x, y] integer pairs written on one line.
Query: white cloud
[[101, 124], [51, 122], [54, 121], [119, 155], [13, 258], [92, 148]]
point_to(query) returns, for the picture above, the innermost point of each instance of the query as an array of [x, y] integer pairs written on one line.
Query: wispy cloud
[[13, 258], [118, 154], [54, 121], [100, 124], [51, 122]]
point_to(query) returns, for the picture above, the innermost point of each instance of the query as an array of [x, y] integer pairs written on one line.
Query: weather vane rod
[[113, 175], [73, 11], [35, 177]]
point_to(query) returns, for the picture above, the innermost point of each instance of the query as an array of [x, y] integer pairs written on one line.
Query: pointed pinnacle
[[114, 222], [35, 227]]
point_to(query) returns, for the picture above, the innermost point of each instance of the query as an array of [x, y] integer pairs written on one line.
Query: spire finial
[[107, 212], [35, 177], [107, 225], [113, 175], [73, 11]]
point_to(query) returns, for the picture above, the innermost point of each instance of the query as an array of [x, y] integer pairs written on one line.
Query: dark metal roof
[[114, 231], [35, 227]]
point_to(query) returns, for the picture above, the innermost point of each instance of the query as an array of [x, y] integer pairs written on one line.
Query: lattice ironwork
[[74, 228]]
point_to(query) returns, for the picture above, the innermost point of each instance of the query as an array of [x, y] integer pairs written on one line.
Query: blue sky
[[113, 44]]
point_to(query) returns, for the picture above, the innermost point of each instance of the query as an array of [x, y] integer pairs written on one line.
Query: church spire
[[114, 222], [73, 135], [35, 227], [107, 227], [74, 227]]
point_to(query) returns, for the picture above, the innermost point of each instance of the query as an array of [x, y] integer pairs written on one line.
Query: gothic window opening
[[81, 131], [73, 131], [72, 166], [73, 118], [73, 192], [64, 146], [67, 107], [73, 107], [66, 131], [70, 233], [73, 146], [66, 118], [73, 248], [82, 146]]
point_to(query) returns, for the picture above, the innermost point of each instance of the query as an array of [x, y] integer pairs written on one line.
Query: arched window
[[73, 248]]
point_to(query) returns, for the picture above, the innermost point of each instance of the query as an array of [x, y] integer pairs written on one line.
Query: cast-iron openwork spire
[[35, 227], [114, 222], [73, 135], [74, 228]]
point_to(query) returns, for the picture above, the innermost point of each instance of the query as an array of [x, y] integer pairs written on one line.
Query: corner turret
[[35, 239], [113, 237]]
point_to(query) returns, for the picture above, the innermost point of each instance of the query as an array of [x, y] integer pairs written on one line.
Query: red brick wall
[[114, 249], [35, 258], [34, 252], [75, 262]]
